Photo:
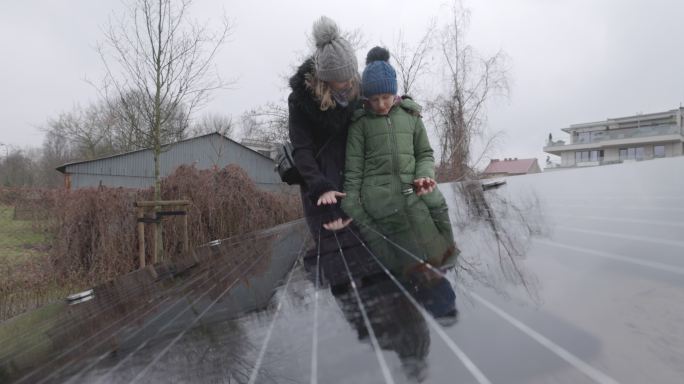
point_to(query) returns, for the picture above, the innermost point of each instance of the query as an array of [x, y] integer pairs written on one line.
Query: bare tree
[[17, 169], [156, 53], [56, 151], [267, 123], [213, 123], [127, 122], [88, 130], [356, 38], [459, 111], [412, 61]]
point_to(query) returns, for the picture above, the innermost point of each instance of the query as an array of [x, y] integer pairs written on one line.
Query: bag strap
[[320, 150]]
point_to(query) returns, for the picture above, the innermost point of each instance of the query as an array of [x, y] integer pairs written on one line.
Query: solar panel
[[564, 277]]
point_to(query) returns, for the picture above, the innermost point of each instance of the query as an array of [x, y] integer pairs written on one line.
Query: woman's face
[[339, 86]]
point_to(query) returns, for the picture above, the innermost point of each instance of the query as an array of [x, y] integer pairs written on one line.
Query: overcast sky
[[571, 61]]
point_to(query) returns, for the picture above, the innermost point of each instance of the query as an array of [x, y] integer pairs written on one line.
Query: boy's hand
[[424, 185], [330, 197], [336, 225]]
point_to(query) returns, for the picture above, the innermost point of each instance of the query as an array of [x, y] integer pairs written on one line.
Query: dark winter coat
[[384, 155], [319, 139]]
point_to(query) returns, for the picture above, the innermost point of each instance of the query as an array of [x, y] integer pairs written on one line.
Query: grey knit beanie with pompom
[[334, 57]]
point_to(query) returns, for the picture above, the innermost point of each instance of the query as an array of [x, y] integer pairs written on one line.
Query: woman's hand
[[330, 197], [424, 185], [336, 225]]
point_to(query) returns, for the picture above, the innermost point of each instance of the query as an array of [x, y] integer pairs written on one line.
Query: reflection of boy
[[389, 174]]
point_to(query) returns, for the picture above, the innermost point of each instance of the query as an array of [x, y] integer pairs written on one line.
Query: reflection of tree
[[214, 352], [124, 325], [58, 342], [250, 257], [503, 228]]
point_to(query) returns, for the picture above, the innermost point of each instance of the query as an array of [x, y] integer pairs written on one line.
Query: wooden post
[[186, 242], [154, 207], [154, 243], [141, 237]]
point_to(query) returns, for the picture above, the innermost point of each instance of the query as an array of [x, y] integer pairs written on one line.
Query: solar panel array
[[566, 277]]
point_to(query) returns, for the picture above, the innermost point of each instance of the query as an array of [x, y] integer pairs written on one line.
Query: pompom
[[377, 54], [325, 31]]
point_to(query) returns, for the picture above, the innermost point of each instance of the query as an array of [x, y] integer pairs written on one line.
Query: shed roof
[[62, 168], [512, 166]]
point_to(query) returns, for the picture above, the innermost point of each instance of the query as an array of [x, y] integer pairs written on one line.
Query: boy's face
[[382, 103]]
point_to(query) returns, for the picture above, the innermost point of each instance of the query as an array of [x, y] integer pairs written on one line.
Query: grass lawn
[[20, 244], [18, 240]]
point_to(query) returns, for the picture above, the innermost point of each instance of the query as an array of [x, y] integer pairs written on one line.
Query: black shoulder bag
[[285, 164]]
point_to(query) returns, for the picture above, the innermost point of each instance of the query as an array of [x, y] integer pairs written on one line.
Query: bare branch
[[412, 62], [459, 110]]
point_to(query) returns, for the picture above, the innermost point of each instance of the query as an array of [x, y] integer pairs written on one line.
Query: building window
[[631, 153], [585, 137], [659, 151], [639, 153], [584, 156], [596, 155]]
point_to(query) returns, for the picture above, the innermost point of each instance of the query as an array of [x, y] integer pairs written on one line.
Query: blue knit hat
[[378, 76]]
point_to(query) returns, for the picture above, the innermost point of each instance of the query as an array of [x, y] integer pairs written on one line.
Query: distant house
[[631, 138], [263, 147], [510, 167], [136, 169]]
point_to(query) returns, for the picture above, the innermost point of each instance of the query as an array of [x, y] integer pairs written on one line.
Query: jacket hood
[[297, 81]]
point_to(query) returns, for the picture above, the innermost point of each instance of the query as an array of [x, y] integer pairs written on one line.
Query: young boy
[[389, 176]]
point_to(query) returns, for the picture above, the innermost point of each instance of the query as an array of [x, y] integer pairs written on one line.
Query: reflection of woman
[[397, 324], [324, 93]]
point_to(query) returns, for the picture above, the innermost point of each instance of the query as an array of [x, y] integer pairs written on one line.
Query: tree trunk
[[157, 197]]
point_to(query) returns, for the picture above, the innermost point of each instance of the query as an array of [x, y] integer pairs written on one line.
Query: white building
[[263, 147], [631, 138]]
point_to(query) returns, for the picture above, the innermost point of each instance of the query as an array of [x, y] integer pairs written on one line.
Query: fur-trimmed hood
[[297, 81]]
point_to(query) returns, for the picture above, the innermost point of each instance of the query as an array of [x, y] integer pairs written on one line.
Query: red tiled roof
[[509, 166]]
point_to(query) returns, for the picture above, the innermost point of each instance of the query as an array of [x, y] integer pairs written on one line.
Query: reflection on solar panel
[[567, 277]]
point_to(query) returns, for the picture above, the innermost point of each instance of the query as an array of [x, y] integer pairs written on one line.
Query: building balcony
[[626, 133], [617, 137]]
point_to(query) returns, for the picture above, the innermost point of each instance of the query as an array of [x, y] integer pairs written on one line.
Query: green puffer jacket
[[384, 155]]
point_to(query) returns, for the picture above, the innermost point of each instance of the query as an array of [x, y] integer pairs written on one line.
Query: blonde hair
[[322, 91]]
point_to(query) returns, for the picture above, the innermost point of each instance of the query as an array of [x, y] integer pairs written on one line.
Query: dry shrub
[[35, 204], [92, 233], [225, 203], [28, 285], [8, 196], [95, 235]]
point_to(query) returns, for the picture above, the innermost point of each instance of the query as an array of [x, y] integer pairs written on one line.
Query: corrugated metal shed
[[136, 169]]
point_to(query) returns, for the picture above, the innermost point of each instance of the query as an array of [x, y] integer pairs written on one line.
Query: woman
[[325, 91]]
